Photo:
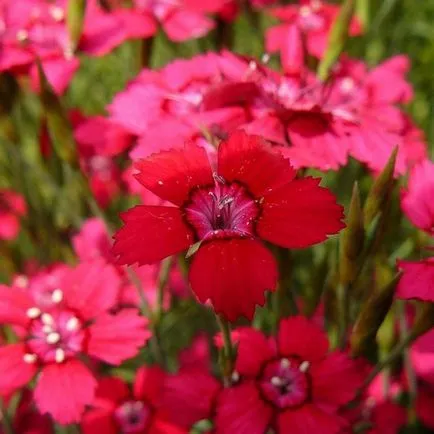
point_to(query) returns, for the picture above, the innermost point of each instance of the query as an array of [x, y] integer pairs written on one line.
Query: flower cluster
[[212, 239]]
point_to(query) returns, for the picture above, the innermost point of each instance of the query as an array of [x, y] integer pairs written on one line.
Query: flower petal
[[309, 419], [15, 371], [234, 275], [299, 214], [299, 336], [148, 384], [172, 174], [63, 391], [241, 410], [98, 421], [91, 288], [151, 233], [189, 396], [14, 304], [115, 338], [334, 380], [254, 349], [253, 162], [417, 281], [111, 391]]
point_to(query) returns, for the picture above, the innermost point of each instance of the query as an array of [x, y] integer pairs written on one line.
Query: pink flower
[[34, 29], [55, 340], [312, 19], [416, 200], [117, 408], [418, 279], [292, 384], [12, 207], [226, 212]]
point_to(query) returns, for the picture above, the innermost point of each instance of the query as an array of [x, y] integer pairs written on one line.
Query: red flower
[[12, 207], [418, 279], [292, 385], [252, 195], [54, 339], [117, 409]]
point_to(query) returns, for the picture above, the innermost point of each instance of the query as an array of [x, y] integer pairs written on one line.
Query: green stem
[[228, 351], [411, 375], [395, 354], [163, 278], [344, 317], [5, 420]]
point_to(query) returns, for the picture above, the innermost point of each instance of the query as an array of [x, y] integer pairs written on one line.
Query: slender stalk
[[163, 278], [409, 370], [344, 318], [395, 354], [5, 420], [228, 352]]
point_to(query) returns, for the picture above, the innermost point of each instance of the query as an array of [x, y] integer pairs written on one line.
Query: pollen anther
[[53, 338], [33, 312], [59, 355], [57, 296], [304, 366]]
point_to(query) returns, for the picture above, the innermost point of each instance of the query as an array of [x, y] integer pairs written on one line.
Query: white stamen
[[53, 338], [22, 35], [347, 84], [21, 281], [29, 358], [33, 312], [57, 296], [253, 66], [47, 329], [304, 366], [235, 377], [72, 324], [265, 58], [57, 13], [160, 182], [218, 178], [285, 363], [60, 355], [276, 381], [47, 319]]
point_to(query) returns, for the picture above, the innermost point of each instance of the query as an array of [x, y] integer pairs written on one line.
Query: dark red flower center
[[222, 210], [54, 336], [284, 383], [133, 417]]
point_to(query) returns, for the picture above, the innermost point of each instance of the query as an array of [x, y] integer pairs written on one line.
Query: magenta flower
[[56, 340]]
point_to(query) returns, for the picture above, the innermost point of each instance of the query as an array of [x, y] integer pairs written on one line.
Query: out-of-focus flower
[[116, 408], [252, 195], [36, 29], [12, 207], [55, 339], [316, 125], [417, 200], [311, 19], [291, 384], [417, 203]]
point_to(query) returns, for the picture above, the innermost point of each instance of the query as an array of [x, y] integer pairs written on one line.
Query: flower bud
[[381, 190], [372, 315], [337, 39]]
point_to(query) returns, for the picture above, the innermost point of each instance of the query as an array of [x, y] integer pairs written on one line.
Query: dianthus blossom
[[57, 337], [292, 384], [253, 194]]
